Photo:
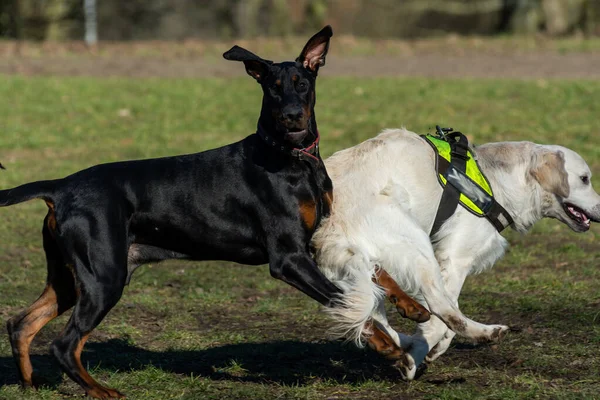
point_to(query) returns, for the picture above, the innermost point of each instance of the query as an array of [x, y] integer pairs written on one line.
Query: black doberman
[[255, 201]]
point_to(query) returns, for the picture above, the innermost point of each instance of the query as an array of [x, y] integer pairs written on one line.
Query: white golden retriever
[[385, 201]]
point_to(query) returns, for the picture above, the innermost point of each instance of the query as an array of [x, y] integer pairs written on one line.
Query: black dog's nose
[[292, 112]]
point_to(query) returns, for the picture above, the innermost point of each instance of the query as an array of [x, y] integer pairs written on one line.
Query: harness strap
[[499, 217], [450, 195], [458, 182], [494, 212]]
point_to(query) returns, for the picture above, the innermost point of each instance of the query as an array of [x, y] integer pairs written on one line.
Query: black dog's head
[[288, 88]]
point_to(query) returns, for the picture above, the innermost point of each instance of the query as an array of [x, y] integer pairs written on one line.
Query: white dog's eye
[[585, 179]]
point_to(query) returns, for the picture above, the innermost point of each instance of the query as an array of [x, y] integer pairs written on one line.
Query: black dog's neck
[[308, 149]]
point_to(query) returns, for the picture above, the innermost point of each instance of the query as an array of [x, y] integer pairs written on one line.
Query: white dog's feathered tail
[[352, 311]]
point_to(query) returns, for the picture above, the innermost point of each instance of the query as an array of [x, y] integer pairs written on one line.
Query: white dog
[[385, 202]]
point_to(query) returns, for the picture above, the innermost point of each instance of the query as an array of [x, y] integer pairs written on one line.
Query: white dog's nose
[[594, 213]]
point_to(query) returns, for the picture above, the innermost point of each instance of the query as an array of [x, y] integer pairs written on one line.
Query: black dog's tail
[[34, 190]]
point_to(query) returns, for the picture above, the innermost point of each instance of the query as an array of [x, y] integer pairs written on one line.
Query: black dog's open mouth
[[577, 215], [296, 136]]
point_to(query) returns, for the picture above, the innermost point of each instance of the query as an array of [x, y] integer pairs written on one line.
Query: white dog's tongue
[[585, 218]]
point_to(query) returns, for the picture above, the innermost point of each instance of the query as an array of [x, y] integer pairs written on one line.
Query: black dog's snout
[[292, 113]]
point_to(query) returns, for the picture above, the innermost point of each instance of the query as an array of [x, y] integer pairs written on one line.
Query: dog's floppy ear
[[256, 67], [548, 169], [315, 50]]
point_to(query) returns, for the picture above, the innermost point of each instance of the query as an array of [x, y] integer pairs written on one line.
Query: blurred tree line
[[179, 19]]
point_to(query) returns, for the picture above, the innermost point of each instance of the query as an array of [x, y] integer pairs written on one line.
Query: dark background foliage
[[180, 19]]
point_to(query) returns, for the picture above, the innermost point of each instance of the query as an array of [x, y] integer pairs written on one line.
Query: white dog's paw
[[499, 333], [495, 335], [407, 367]]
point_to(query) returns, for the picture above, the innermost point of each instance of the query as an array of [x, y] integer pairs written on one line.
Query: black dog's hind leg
[[58, 296], [100, 261]]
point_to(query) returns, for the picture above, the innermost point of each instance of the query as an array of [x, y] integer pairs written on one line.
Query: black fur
[[251, 202]]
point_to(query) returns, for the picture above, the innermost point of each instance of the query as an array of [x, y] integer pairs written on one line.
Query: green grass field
[[188, 330]]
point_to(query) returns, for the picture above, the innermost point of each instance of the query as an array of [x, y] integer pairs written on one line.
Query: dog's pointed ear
[[314, 52], [548, 169], [256, 67]]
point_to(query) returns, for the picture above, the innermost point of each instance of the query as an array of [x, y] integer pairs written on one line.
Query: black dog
[[255, 201]]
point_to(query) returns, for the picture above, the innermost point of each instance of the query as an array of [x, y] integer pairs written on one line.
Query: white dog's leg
[[454, 279], [445, 309], [457, 260], [443, 306], [453, 283], [441, 347]]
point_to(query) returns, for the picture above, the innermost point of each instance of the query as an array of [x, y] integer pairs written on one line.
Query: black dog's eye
[[302, 86], [585, 179]]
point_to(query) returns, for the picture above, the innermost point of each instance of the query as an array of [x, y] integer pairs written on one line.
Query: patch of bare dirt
[[194, 60]]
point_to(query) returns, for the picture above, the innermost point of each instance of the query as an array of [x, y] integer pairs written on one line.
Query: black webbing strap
[[493, 211], [459, 146], [499, 217], [457, 182]]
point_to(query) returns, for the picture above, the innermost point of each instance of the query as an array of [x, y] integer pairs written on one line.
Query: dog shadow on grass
[[282, 362]]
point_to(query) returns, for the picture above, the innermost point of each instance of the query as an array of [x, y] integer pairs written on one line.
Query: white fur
[[386, 196]]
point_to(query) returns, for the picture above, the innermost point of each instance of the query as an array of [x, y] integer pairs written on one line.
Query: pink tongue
[[581, 215], [585, 217]]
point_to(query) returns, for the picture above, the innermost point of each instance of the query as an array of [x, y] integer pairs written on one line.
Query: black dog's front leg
[[300, 271]]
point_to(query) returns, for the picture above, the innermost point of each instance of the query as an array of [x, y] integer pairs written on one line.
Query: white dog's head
[[566, 180]]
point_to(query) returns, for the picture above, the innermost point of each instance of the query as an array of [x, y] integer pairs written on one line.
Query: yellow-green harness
[[468, 186]]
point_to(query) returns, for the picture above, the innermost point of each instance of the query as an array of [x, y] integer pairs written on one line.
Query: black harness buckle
[[442, 132]]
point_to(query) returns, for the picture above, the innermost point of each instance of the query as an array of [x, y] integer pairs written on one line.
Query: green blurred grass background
[[219, 330]]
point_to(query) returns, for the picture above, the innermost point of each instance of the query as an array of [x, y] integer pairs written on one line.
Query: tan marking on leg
[[82, 371], [51, 217], [406, 305], [94, 389], [384, 345], [42, 311]]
